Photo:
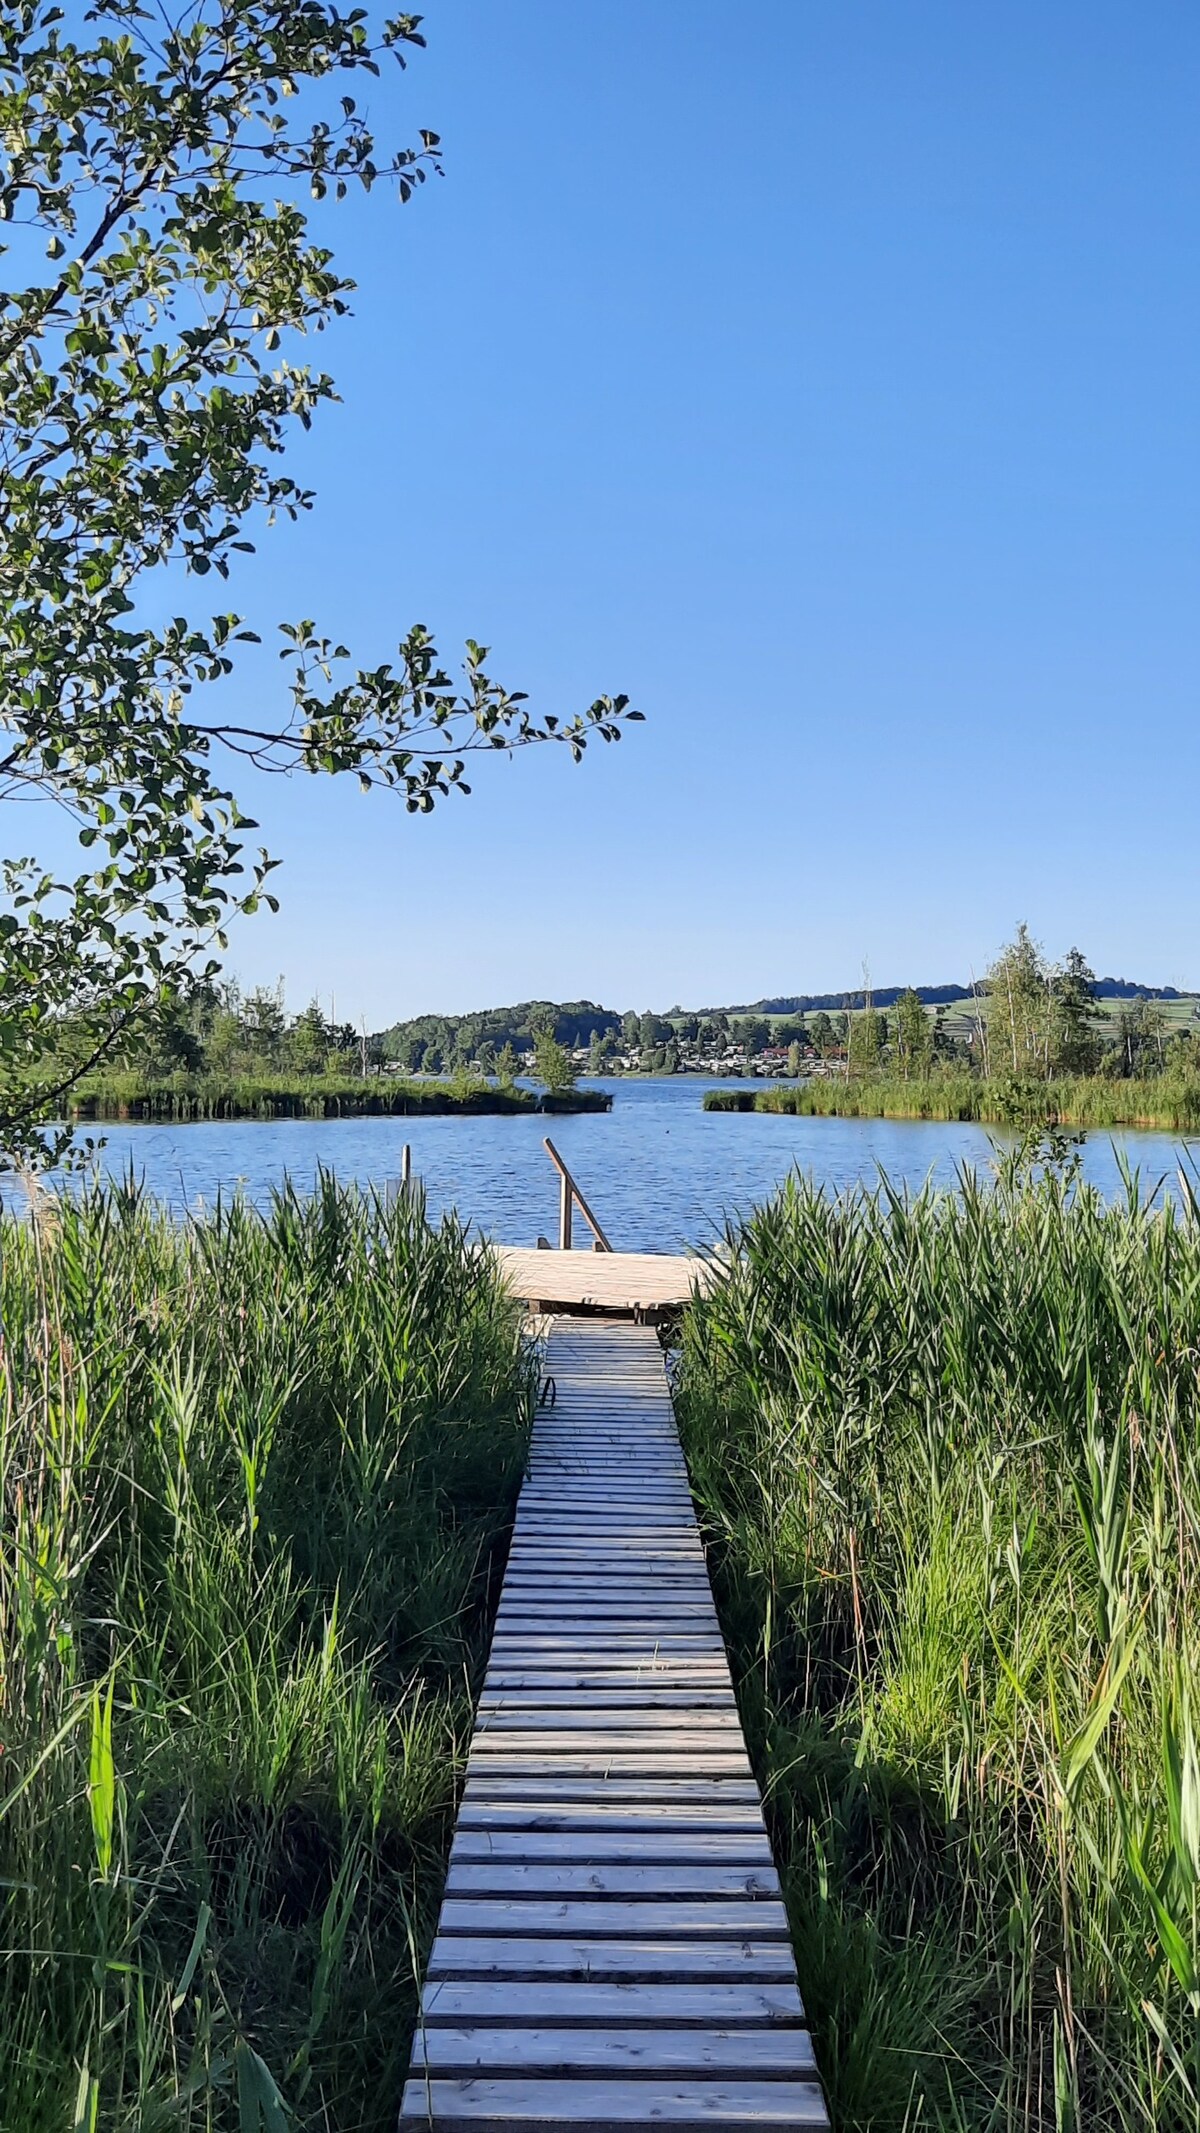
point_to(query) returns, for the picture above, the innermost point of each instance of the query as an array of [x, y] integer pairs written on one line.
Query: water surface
[[660, 1172]]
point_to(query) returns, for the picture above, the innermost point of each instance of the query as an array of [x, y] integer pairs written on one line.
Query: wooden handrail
[[570, 1192]]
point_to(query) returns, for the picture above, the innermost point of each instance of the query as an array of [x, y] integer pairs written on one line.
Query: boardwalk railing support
[[395, 1187], [570, 1196]]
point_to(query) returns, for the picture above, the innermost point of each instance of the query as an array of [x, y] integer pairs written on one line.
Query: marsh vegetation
[[256, 1475], [946, 1450]]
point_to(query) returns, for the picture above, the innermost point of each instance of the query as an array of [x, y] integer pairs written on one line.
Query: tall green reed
[[255, 1477], [946, 1448]]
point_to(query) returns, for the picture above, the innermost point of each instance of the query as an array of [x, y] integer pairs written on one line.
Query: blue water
[[659, 1171]]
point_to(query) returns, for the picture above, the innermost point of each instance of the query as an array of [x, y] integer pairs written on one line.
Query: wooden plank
[[649, 1881], [496, 2001], [630, 1758], [589, 1695], [489, 1784], [573, 1738], [686, 2106], [721, 2053], [643, 1958], [558, 1716], [609, 1823], [655, 1677], [617, 1918], [611, 1847]]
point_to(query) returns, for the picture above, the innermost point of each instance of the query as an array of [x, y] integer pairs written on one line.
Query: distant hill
[[576, 1022], [805, 1003]]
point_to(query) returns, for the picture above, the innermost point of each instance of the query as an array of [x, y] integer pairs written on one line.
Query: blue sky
[[826, 378]]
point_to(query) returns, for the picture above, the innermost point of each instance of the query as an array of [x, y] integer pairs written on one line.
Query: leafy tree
[[1077, 1046], [864, 1041], [148, 385], [309, 1040], [506, 1066], [824, 1036], [264, 1024], [1019, 1010], [1141, 1027], [552, 1062], [913, 1036]]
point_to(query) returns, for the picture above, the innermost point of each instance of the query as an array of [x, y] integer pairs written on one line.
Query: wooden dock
[[612, 1950], [645, 1285]]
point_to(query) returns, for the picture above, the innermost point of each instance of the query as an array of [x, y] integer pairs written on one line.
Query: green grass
[[185, 1098], [257, 1476], [947, 1454], [1087, 1100]]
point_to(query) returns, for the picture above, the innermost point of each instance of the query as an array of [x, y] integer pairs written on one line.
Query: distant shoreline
[[1084, 1101], [129, 1100]]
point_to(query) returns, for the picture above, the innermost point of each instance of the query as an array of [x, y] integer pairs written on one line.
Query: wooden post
[[565, 1197], [393, 1189]]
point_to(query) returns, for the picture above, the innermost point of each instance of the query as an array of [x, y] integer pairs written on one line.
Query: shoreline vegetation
[[259, 1474], [944, 1448], [1080, 1100], [186, 1099]]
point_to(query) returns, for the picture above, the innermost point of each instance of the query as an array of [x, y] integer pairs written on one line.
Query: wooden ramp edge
[[612, 1949], [641, 1283]]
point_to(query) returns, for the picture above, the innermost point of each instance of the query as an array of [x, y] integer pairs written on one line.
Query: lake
[[659, 1171]]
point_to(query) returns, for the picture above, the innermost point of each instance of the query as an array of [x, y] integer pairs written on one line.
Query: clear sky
[[826, 377]]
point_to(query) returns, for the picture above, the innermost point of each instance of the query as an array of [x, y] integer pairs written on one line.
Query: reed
[[946, 1450], [186, 1099], [256, 1474], [1086, 1100]]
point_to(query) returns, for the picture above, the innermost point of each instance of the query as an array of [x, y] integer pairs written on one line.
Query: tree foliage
[[552, 1062], [159, 277]]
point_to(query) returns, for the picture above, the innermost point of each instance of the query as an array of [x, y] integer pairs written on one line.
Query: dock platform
[[612, 1950], [645, 1285]]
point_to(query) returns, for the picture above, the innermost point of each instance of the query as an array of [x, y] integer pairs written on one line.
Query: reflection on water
[[659, 1171]]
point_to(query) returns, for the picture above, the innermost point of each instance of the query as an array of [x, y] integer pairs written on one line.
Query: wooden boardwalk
[[612, 1950]]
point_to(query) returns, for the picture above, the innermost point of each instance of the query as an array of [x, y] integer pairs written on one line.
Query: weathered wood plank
[[611, 1846], [616, 1918], [691, 1791], [585, 1713], [757, 2053], [593, 1696], [495, 2002], [636, 1958], [657, 1880], [583, 2104], [608, 1820]]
